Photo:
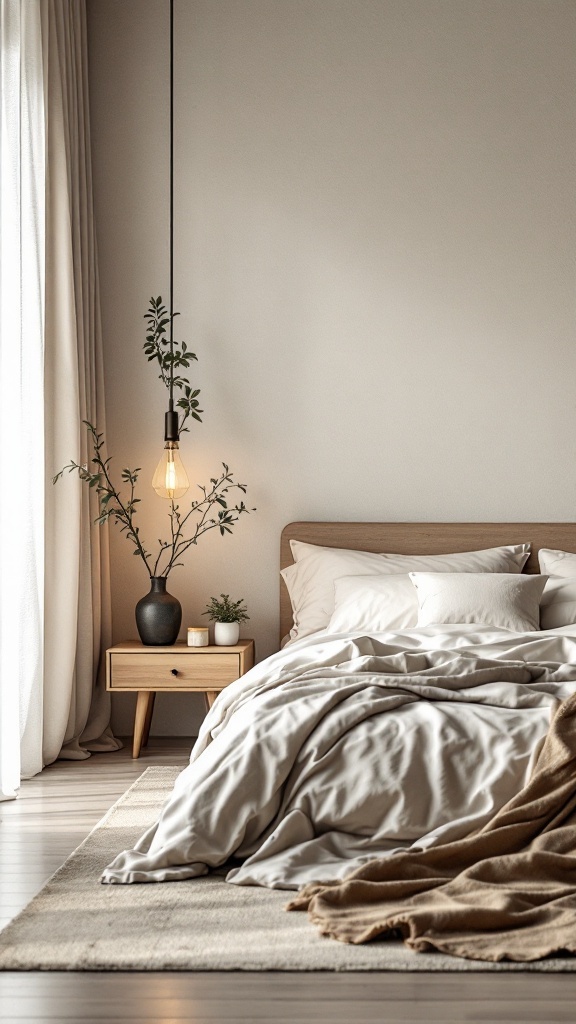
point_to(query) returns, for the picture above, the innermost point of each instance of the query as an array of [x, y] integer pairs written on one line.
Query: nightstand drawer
[[147, 670], [143, 671]]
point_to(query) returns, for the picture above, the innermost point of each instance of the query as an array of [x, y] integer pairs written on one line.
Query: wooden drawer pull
[[174, 671]]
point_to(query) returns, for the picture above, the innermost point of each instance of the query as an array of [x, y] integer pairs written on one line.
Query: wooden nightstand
[[146, 670]]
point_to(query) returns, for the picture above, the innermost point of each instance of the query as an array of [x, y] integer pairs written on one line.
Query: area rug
[[77, 924]]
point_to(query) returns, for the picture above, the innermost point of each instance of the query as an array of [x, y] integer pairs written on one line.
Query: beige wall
[[374, 263]]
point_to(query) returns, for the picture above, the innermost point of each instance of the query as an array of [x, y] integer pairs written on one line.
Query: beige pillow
[[513, 556], [557, 563], [310, 580], [558, 604], [373, 604], [490, 599]]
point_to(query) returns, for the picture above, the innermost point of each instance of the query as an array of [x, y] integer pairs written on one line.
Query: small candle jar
[[198, 636]]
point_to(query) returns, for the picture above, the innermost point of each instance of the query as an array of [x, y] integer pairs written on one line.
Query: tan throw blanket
[[505, 892]]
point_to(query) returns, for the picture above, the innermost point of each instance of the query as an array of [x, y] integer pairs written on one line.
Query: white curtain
[[22, 176], [54, 582]]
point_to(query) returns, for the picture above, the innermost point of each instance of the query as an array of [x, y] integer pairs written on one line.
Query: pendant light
[[170, 479]]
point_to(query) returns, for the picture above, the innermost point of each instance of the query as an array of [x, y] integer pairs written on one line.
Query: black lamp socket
[[171, 426]]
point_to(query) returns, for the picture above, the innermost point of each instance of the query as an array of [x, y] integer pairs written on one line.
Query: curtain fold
[[54, 584], [77, 584]]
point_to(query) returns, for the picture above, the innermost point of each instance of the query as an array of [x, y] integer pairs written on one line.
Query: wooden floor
[[58, 808]]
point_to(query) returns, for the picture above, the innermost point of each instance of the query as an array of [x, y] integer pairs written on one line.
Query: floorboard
[[58, 808]]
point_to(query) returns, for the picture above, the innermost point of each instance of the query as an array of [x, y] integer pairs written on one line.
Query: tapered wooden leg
[[210, 697], [148, 721], [142, 704]]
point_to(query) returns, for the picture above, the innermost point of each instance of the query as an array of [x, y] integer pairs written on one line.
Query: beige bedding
[[506, 892], [340, 750]]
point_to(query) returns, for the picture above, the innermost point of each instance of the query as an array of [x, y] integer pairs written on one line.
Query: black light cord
[[171, 201], [171, 432]]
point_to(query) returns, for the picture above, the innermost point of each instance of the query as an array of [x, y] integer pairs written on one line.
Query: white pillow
[[373, 604], [558, 604], [310, 580], [557, 563], [492, 599], [513, 556]]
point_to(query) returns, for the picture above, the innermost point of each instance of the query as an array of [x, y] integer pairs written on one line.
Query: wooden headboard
[[420, 539]]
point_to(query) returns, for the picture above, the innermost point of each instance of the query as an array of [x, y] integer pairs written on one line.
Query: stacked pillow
[[311, 579], [491, 599], [342, 590], [377, 603], [558, 607]]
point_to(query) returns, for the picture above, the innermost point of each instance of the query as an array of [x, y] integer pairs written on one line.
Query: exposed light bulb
[[170, 479]]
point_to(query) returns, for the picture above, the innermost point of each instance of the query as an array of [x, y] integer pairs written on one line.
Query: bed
[[351, 745]]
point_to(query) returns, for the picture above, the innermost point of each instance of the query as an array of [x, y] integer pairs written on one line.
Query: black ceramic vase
[[158, 615]]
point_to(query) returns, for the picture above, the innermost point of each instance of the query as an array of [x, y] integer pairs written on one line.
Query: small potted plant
[[226, 616]]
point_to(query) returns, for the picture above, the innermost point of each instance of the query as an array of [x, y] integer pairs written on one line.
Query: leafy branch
[[225, 519], [157, 348], [212, 511], [111, 504]]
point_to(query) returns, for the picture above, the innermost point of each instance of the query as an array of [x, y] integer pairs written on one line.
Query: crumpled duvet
[[339, 750]]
